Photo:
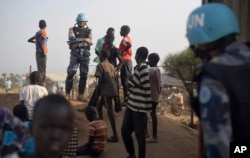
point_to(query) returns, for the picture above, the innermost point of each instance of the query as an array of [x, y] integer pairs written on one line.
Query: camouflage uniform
[[79, 56], [215, 103]]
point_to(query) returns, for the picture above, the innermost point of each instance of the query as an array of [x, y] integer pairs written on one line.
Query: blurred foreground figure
[[223, 103], [52, 126]]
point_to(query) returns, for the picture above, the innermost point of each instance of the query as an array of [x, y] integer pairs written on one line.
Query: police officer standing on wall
[[223, 102], [80, 40]]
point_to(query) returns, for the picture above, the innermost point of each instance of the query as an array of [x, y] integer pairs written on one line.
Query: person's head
[[81, 20], [34, 77], [20, 111], [90, 113], [105, 53], [42, 24], [109, 39], [153, 59], [141, 54], [52, 125], [110, 36], [110, 31], [210, 28], [125, 29]]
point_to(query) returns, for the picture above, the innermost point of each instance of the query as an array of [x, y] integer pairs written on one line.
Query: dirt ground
[[175, 138]]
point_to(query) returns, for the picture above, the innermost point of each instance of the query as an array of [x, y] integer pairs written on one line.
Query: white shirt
[[8, 84], [30, 94]]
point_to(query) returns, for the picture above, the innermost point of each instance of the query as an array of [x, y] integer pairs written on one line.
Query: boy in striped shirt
[[138, 104]]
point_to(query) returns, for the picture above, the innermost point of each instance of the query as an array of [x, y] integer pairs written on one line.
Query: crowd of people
[[43, 124]]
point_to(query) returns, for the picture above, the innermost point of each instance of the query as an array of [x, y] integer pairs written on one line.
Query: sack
[[175, 100]]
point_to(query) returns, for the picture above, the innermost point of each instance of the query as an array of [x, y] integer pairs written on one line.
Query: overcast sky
[[157, 24]]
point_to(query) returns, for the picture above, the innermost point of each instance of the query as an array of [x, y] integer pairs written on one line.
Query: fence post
[[30, 69], [192, 87]]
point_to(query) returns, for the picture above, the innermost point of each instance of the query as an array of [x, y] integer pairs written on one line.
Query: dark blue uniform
[[79, 56], [221, 103]]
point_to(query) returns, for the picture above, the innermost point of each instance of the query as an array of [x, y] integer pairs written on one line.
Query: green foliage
[[183, 61]]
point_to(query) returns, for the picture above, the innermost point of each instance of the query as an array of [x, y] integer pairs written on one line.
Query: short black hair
[[34, 77], [125, 29], [142, 52], [21, 112], [109, 38], [90, 113], [52, 101], [105, 53], [42, 24], [110, 31], [154, 58]]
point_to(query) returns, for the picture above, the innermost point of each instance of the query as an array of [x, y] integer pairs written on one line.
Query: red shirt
[[128, 53]]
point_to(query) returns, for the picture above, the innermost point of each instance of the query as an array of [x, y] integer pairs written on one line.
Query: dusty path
[[175, 139]]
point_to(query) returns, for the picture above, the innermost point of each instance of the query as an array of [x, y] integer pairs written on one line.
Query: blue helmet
[[81, 17], [211, 22]]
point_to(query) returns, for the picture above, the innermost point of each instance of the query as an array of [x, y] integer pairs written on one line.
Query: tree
[[183, 61]]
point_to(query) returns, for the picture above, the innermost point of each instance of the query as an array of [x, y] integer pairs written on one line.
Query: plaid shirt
[[9, 122], [70, 150]]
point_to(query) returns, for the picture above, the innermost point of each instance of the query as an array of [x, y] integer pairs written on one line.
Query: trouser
[[126, 71], [154, 120], [94, 99], [41, 60], [109, 105], [134, 121], [77, 59]]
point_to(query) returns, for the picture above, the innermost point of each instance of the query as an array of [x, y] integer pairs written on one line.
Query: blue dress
[[28, 146]]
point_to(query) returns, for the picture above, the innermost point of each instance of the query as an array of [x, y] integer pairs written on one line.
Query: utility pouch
[[86, 53]]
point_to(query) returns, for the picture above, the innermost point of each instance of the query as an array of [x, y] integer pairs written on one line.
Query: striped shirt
[[98, 130], [139, 90]]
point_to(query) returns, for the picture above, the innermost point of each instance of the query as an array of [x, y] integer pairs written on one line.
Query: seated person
[[20, 111], [97, 135], [9, 122]]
